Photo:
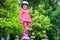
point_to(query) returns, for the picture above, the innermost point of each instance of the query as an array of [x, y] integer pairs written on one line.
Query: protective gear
[[25, 2]]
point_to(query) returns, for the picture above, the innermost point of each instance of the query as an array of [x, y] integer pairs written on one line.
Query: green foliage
[[55, 20], [53, 13], [39, 20], [52, 33], [9, 16], [44, 15]]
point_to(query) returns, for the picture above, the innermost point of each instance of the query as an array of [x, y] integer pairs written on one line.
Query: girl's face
[[25, 7]]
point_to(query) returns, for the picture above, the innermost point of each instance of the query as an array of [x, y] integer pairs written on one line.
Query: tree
[[9, 12], [40, 21], [52, 9]]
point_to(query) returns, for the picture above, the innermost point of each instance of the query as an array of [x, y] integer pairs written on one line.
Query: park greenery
[[45, 16]]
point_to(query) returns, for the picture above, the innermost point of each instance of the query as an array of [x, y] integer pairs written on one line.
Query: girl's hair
[[24, 4]]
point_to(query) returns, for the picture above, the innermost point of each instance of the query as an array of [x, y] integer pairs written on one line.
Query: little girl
[[25, 19]]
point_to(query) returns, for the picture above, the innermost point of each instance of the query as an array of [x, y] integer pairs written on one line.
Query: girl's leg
[[26, 27], [25, 32]]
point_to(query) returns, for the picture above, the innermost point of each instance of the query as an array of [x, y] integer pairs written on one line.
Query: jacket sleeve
[[30, 18], [20, 15]]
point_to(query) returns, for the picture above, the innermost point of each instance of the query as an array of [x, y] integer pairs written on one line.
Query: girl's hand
[[31, 24], [21, 21]]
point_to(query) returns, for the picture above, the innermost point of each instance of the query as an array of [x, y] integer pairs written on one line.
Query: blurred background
[[45, 16]]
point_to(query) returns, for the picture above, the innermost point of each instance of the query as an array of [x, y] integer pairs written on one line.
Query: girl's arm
[[20, 15], [31, 20]]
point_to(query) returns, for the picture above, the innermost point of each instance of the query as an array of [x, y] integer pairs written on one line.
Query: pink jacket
[[24, 15]]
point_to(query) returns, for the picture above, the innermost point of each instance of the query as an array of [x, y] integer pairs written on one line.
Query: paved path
[[44, 39]]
